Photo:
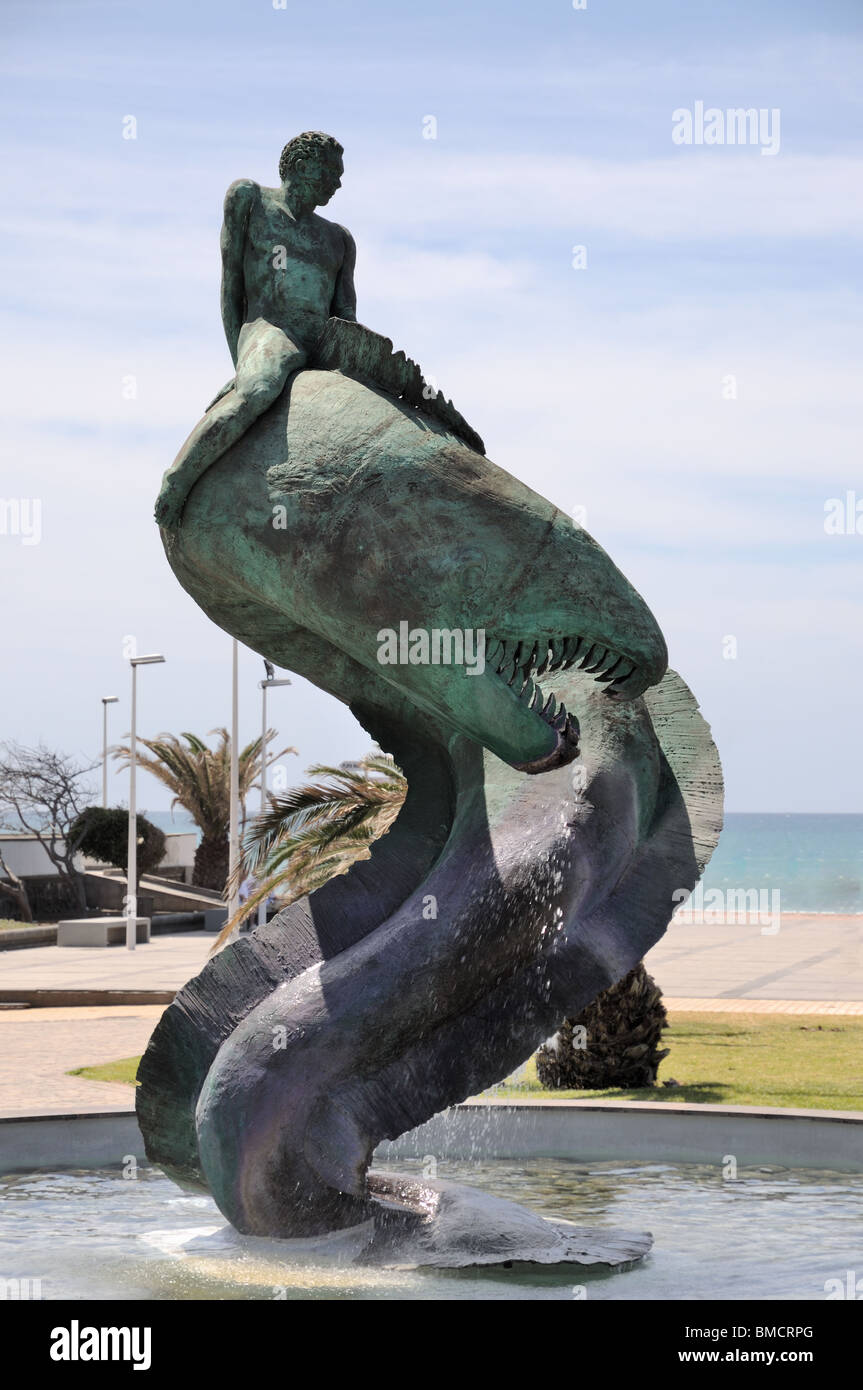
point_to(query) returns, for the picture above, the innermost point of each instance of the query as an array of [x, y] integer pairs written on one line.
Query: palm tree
[[614, 1043], [318, 830], [200, 778]]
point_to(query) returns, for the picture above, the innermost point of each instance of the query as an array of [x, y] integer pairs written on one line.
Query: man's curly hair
[[310, 143]]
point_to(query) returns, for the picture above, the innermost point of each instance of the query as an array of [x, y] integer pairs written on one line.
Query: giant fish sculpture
[[563, 790]]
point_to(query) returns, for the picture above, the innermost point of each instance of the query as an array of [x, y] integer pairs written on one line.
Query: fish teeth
[[570, 651], [623, 676], [597, 662], [494, 654], [608, 673], [527, 658], [546, 660]]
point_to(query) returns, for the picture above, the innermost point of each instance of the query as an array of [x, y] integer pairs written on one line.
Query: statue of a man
[[285, 271]]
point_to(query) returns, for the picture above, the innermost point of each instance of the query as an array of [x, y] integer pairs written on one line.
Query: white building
[[27, 858]]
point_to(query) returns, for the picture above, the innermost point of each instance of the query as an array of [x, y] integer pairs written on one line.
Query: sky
[[664, 336]]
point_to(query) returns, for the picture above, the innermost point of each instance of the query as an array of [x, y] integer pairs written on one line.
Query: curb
[[85, 998], [161, 924], [19, 938]]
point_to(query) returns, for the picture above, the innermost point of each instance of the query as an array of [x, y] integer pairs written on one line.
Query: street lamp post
[[106, 701], [234, 819], [266, 685], [132, 858]]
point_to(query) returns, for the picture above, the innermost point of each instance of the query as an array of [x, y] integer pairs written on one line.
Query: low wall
[[585, 1132], [674, 1133], [109, 894], [50, 896], [107, 889], [54, 1142], [22, 938]]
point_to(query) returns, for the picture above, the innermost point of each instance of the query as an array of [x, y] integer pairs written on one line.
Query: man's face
[[321, 175]]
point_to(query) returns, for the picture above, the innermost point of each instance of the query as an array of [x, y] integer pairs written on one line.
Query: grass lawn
[[800, 1061], [122, 1070], [7, 924], [807, 1062]]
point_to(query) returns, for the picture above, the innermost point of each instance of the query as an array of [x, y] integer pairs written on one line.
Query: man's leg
[[266, 357]]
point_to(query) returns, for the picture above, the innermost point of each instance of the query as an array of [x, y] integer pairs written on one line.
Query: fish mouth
[[519, 663]]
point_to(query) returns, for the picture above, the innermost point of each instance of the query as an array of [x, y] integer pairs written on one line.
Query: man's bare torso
[[285, 272], [290, 267]]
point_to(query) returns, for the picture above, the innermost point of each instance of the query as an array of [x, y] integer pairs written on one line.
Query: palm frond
[[199, 775], [318, 830]]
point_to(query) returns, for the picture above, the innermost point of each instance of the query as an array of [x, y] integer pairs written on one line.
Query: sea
[[815, 861]]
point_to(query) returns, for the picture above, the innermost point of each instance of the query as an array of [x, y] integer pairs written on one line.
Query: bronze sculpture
[[331, 500]]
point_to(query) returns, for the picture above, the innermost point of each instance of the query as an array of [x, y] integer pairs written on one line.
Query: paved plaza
[[39, 1046], [812, 965], [809, 957], [165, 962]]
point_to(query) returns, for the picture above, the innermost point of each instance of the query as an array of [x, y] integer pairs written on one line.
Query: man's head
[[312, 162]]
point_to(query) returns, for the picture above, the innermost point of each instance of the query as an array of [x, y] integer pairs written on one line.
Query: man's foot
[[169, 508]]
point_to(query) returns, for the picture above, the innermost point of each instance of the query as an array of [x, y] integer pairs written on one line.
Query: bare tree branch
[[41, 791]]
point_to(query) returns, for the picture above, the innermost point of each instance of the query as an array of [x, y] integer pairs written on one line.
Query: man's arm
[[238, 203], [344, 305]]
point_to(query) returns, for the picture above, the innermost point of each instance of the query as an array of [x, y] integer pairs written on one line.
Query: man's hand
[[228, 386]]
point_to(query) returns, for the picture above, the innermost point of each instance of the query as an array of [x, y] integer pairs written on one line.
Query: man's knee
[[260, 392]]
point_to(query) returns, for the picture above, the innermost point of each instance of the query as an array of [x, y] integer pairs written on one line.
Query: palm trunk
[[211, 862]]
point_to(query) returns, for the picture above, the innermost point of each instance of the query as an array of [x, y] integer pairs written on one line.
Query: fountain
[[341, 518]]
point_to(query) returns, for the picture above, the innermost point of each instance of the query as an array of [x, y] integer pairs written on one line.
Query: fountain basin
[[87, 1218], [770, 1234]]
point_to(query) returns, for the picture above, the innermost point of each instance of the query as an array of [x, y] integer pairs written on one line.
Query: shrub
[[103, 833]]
